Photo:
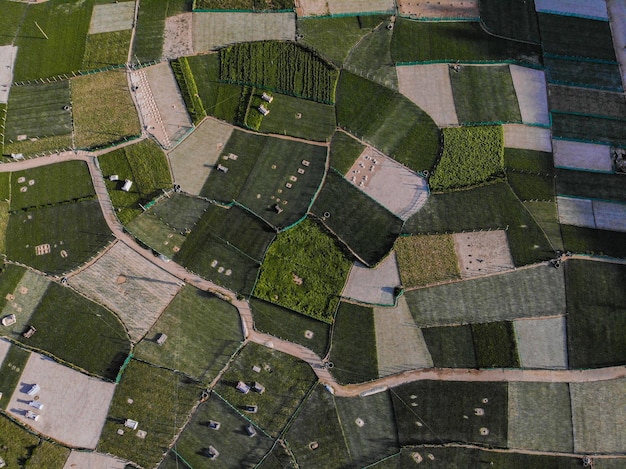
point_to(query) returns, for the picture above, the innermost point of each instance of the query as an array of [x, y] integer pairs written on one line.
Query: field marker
[[42, 32]]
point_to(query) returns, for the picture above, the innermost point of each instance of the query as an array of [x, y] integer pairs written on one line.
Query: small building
[[132, 424], [258, 387], [251, 408], [267, 97], [34, 389], [278, 209], [29, 332], [211, 452], [213, 424], [9, 320], [161, 338], [242, 387], [221, 168], [263, 110], [250, 430], [17, 156], [114, 177], [32, 415], [127, 185], [35, 405]]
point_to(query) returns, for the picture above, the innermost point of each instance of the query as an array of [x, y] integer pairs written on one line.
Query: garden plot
[[5, 345], [400, 344], [588, 8], [193, 160], [609, 216], [599, 413], [75, 405], [337, 7], [24, 300], [212, 30], [617, 9], [93, 461], [111, 17], [482, 253], [7, 59], [577, 212], [130, 285], [456, 9], [527, 137], [542, 343], [393, 185], [584, 156], [429, 87], [178, 38], [373, 285], [532, 96], [311, 8]]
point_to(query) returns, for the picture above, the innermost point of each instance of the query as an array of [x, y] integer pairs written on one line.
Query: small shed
[[35, 404], [211, 452], [267, 97], [32, 415], [34, 389], [242, 387], [9, 320], [258, 387], [251, 408], [127, 185], [114, 177], [132, 424], [250, 430], [215, 425], [29, 332], [263, 110], [161, 338]]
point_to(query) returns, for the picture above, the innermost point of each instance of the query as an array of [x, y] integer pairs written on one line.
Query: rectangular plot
[[592, 241], [577, 155], [587, 73], [24, 300], [527, 137], [591, 185], [116, 16], [530, 87], [336, 7], [577, 212], [593, 8], [589, 129], [609, 216], [494, 344], [542, 343], [7, 58], [601, 103]]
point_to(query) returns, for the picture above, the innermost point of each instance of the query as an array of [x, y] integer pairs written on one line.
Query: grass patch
[[148, 43], [48, 455], [451, 346], [75, 233], [594, 102], [10, 276], [50, 185], [152, 232], [424, 260], [531, 186], [179, 211], [400, 127], [257, 5], [590, 241], [471, 156], [596, 307], [484, 94], [161, 402], [12, 13], [353, 349], [106, 49], [289, 325], [286, 380], [11, 371], [39, 146], [202, 334], [588, 128], [304, 252], [19, 443], [545, 214], [103, 109], [590, 185], [366, 227], [585, 73], [4, 222], [511, 19], [530, 161], [344, 150], [494, 343], [420, 41], [189, 89], [440, 412]]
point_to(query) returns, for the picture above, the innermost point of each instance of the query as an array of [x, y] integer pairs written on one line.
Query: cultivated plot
[[584, 72], [426, 259], [532, 96], [130, 285], [527, 137], [542, 343], [569, 99], [156, 234], [93, 461], [591, 8], [452, 9], [7, 59], [451, 346], [373, 285], [178, 37], [336, 7], [482, 253], [212, 30], [511, 19], [5, 345], [111, 17], [23, 301], [618, 26], [75, 405], [583, 156], [589, 213]]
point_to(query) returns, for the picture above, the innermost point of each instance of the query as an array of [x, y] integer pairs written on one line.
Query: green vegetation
[[400, 127], [12, 13], [587, 73], [344, 150], [568, 99], [511, 19], [596, 319], [10, 372], [444, 411], [426, 259], [304, 270], [451, 346], [590, 185], [17, 443], [494, 344], [202, 334], [50, 185], [161, 401], [545, 214], [588, 128], [258, 5], [590, 241], [44, 145], [106, 49], [103, 109], [145, 164], [421, 41], [189, 89], [10, 276], [152, 232], [48, 455], [281, 66], [289, 325], [286, 380], [530, 161], [471, 156], [148, 43], [362, 224], [531, 186], [180, 212], [484, 94], [353, 348]]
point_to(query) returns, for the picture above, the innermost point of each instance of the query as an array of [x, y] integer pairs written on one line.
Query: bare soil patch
[[532, 94], [336, 7], [527, 137], [609, 216], [178, 37], [577, 155], [542, 343], [5, 345], [82, 459], [311, 8], [617, 15], [457, 9], [7, 59], [577, 212], [110, 17], [482, 253], [373, 285]]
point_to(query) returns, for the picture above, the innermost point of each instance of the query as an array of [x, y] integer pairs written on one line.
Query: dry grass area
[[178, 38], [336, 7], [311, 7], [577, 212], [578, 155], [532, 95], [82, 459], [461, 9], [426, 259], [482, 253], [527, 137], [110, 17], [542, 342], [124, 281], [373, 285]]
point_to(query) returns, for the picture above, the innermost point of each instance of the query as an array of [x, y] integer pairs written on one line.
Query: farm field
[[582, 156], [569, 99], [530, 89], [594, 8], [542, 343], [108, 18], [527, 137], [452, 10], [590, 184], [148, 44], [344, 150], [584, 72], [482, 253], [592, 241], [179, 211], [529, 161], [494, 345], [592, 213], [426, 259], [546, 216], [377, 285], [14, 359], [107, 49], [531, 187], [155, 234], [511, 19], [451, 346], [10, 21]]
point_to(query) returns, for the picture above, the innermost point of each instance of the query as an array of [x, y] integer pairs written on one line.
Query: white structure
[[32, 415], [242, 387], [127, 185], [34, 389], [132, 424], [267, 97], [263, 110], [9, 320], [36, 405]]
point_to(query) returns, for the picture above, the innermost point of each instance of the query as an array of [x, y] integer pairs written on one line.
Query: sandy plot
[[400, 344], [397, 188], [194, 158], [212, 30], [169, 101], [617, 18], [429, 87], [609, 215], [84, 460], [24, 300], [311, 7], [75, 405], [527, 137], [532, 95], [542, 343], [5, 345], [130, 285], [599, 415], [457, 9], [373, 285], [7, 59], [482, 253], [336, 7], [593, 8], [178, 39], [112, 17], [577, 155], [577, 212], [150, 116]]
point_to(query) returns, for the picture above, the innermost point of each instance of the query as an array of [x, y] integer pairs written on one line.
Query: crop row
[[189, 89]]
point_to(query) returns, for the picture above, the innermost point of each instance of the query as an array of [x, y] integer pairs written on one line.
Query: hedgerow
[[189, 89]]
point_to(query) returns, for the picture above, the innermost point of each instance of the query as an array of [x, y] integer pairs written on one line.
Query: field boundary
[[473, 62]]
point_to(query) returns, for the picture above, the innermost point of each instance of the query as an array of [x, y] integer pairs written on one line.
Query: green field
[[484, 94], [455, 41], [451, 346], [257, 5], [531, 186], [106, 49], [590, 185], [10, 277], [400, 127], [596, 320], [12, 13], [494, 345], [160, 400], [426, 259], [304, 252], [532, 292], [286, 380], [590, 241], [586, 73], [545, 214], [511, 19], [529, 161], [11, 370], [49, 185], [178, 211], [202, 334], [362, 224], [588, 128], [38, 147], [188, 89], [344, 150], [471, 156], [353, 347], [289, 325], [440, 412], [152, 232], [148, 44], [574, 100], [75, 233]]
